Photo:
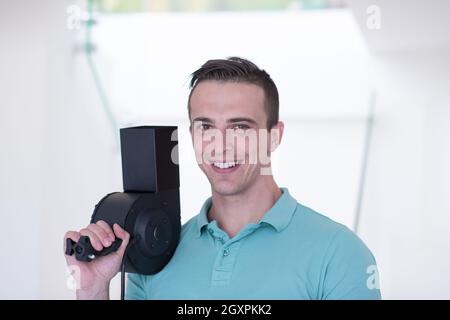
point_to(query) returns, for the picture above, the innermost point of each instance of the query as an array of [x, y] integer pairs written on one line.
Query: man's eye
[[205, 126], [240, 126]]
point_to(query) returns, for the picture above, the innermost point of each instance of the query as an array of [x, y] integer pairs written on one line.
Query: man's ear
[[190, 131], [276, 133]]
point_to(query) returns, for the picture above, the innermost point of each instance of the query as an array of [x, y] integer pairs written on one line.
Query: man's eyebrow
[[242, 119], [203, 119], [231, 120]]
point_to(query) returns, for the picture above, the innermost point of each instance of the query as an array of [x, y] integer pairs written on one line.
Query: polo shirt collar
[[278, 216]]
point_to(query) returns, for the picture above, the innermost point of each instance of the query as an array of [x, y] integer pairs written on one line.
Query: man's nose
[[223, 145]]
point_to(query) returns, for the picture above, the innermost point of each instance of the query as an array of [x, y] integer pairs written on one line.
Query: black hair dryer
[[149, 207]]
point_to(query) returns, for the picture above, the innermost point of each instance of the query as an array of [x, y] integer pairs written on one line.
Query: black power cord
[[122, 280], [122, 268]]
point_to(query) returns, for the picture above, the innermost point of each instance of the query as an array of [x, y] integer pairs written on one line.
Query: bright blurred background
[[364, 92]]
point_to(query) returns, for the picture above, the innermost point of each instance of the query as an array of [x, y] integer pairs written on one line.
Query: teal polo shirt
[[293, 252]]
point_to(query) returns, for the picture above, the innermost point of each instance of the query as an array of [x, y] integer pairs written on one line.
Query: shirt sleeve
[[135, 289], [350, 270]]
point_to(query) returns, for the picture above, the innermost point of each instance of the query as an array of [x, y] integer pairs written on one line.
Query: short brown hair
[[237, 69]]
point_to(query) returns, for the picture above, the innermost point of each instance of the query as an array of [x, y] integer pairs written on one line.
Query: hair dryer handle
[[84, 251]]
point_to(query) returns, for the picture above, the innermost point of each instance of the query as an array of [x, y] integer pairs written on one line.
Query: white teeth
[[225, 165]]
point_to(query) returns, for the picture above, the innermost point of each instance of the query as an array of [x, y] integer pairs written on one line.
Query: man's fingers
[[101, 234], [107, 228], [95, 241], [121, 234]]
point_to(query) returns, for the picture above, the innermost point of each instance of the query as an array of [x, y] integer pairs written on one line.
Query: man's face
[[226, 120]]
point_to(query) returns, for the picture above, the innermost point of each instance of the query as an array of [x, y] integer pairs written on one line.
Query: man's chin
[[226, 189]]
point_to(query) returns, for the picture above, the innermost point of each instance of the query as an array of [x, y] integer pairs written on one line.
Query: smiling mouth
[[225, 167]]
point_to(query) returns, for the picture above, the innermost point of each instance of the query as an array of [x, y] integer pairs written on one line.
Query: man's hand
[[93, 277]]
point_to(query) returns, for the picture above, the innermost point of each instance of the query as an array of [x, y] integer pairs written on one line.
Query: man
[[251, 239]]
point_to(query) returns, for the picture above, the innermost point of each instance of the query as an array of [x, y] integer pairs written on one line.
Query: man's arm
[[350, 269]]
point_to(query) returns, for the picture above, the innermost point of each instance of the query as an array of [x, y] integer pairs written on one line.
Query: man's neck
[[234, 212]]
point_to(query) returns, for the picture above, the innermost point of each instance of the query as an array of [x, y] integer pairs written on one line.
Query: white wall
[[406, 212], [22, 99], [58, 155]]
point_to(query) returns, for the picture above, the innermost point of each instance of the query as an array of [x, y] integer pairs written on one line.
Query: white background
[[59, 156]]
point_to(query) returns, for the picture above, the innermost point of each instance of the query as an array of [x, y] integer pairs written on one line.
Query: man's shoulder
[[325, 232], [314, 224], [190, 226]]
